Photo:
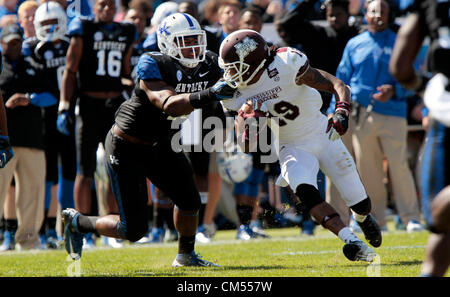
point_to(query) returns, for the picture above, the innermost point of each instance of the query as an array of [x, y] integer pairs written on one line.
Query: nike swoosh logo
[[203, 74], [122, 38]]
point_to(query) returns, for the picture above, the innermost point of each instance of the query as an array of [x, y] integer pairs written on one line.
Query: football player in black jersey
[[6, 152], [430, 18], [48, 51], [172, 83], [99, 52]]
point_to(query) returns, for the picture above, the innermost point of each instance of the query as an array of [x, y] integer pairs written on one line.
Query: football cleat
[[171, 236], [245, 233], [308, 227], [371, 231], [73, 239], [9, 241], [257, 229], [205, 233], [192, 259], [414, 226], [157, 235], [358, 251]]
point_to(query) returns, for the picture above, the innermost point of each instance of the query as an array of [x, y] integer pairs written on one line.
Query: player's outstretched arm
[[68, 81], [164, 97]]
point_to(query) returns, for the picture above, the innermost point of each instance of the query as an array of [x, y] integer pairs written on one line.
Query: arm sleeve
[[75, 28], [148, 69]]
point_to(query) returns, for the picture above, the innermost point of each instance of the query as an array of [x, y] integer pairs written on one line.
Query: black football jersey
[[51, 58], [104, 47], [139, 117]]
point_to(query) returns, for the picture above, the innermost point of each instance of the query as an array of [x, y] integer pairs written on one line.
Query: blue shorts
[[435, 166], [250, 187]]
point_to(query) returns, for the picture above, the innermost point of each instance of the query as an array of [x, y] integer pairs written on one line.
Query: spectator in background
[[144, 6], [26, 17], [212, 35], [22, 84], [209, 15], [163, 10], [8, 13], [229, 15], [267, 8], [379, 117]]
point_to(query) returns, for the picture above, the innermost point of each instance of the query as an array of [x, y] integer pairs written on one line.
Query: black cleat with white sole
[[371, 231], [358, 251]]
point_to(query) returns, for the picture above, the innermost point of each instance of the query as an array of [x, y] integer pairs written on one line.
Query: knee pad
[[309, 197], [363, 207]]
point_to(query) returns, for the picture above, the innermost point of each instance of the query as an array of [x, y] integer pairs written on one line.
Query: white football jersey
[[296, 106]]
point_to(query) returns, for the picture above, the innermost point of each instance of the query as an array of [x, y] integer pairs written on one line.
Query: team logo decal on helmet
[[245, 47]]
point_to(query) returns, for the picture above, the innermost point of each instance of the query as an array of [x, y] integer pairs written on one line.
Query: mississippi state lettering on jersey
[[296, 106], [104, 47], [138, 116], [51, 57]]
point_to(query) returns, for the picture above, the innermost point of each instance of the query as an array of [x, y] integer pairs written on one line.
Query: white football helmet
[[234, 167], [241, 55], [172, 34], [50, 21]]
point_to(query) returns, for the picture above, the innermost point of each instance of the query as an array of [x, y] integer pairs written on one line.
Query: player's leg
[[338, 165], [299, 169], [126, 167], [175, 177], [434, 176]]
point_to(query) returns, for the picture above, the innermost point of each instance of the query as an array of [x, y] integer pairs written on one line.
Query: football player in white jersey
[[280, 83]]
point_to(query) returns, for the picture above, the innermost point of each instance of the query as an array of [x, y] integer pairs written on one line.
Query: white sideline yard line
[[395, 247]]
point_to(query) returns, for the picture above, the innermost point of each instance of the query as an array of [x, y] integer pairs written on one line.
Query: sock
[[11, 225], [359, 218], [244, 213], [86, 224], [186, 244], [346, 235]]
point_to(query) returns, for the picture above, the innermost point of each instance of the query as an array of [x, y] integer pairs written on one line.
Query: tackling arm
[[164, 97]]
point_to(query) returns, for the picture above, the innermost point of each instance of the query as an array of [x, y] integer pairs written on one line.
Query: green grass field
[[285, 254]]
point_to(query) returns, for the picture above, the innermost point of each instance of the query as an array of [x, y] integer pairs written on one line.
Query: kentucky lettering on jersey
[[104, 48], [55, 62], [109, 45], [191, 87]]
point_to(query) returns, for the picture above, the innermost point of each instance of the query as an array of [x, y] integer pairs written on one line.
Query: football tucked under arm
[[248, 126]]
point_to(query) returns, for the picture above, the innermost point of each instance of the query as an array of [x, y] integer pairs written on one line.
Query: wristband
[[201, 98], [343, 106]]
